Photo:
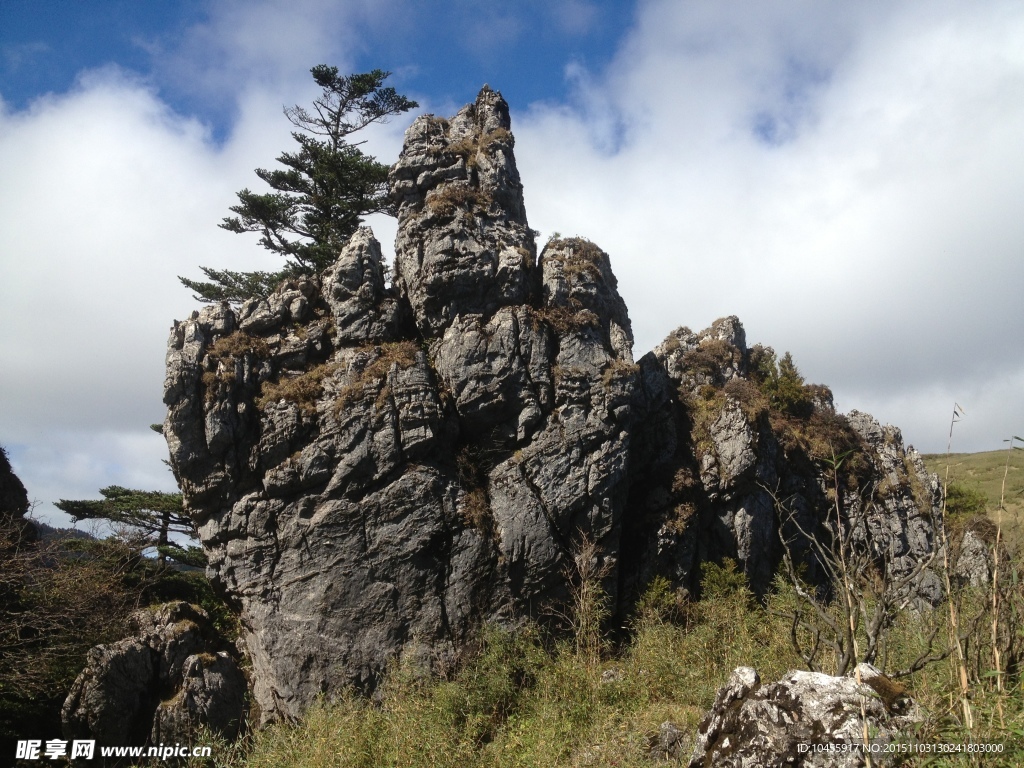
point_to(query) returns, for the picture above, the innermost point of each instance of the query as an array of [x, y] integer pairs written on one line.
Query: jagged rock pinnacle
[[378, 471]]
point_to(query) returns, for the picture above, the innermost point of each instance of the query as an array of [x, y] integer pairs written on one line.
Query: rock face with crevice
[[160, 685], [377, 470]]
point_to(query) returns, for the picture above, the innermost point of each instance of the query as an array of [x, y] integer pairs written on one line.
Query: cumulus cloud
[[844, 182], [846, 179], [108, 196]]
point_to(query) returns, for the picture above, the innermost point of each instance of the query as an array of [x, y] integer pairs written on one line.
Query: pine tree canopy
[[153, 514], [322, 192]]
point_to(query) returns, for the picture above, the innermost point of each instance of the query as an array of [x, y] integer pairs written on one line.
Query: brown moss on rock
[[446, 200], [303, 389], [373, 376], [236, 345]]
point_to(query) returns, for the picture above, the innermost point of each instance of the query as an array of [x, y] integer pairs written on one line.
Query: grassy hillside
[[524, 699], [984, 472], [530, 699]]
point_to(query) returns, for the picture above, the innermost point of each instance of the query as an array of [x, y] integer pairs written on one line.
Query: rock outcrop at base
[[158, 686], [377, 470], [805, 719]]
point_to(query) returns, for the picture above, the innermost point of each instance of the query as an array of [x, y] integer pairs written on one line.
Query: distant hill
[[985, 471], [49, 533]]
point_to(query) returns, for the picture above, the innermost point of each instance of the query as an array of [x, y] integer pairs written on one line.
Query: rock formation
[[806, 718], [159, 685], [13, 505], [377, 470], [723, 456]]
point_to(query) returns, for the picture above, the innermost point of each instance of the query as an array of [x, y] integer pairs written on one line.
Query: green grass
[[983, 472], [526, 699]]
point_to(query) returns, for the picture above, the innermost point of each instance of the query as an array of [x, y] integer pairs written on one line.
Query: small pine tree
[[154, 515], [323, 192], [783, 383]]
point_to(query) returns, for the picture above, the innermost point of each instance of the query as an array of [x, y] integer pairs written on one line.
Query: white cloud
[[267, 45], [845, 178], [107, 197], [876, 235]]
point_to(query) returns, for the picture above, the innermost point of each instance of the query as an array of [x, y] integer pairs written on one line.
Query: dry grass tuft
[[236, 345], [471, 147], [447, 199], [303, 389], [220, 359], [373, 377], [578, 256], [564, 320], [711, 357], [618, 369]]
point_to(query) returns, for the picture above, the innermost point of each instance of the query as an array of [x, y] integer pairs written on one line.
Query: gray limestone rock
[[973, 564], [398, 483], [375, 471], [463, 245], [161, 684], [725, 471], [354, 289], [796, 720], [668, 743], [901, 517], [212, 694]]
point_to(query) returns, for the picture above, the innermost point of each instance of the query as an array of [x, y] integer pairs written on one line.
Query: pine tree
[[152, 516], [323, 192]]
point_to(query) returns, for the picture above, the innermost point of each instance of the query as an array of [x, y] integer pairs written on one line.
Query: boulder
[[973, 563], [160, 685], [667, 743], [804, 719]]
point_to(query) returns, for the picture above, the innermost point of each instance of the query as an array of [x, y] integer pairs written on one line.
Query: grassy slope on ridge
[[984, 472]]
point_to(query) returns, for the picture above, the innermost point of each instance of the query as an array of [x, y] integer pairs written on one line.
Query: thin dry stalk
[[588, 608], [960, 661], [848, 596], [873, 594]]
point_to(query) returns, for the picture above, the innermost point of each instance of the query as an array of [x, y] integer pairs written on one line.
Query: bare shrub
[[59, 598], [589, 602], [852, 618]]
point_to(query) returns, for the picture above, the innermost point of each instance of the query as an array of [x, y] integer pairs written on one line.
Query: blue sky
[[846, 178], [444, 50]]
